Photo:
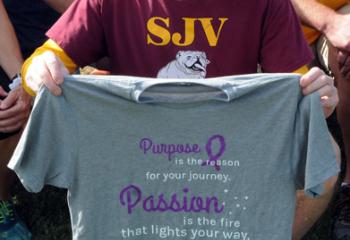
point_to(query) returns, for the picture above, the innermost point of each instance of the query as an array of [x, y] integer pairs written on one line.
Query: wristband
[[16, 81]]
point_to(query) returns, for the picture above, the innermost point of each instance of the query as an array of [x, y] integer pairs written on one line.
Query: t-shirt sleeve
[[45, 152], [315, 160], [79, 32], [284, 48]]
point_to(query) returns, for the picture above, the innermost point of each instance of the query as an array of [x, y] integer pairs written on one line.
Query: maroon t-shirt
[[184, 38]]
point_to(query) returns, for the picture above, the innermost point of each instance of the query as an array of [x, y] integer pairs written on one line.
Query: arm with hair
[[314, 14], [333, 25], [326, 20]]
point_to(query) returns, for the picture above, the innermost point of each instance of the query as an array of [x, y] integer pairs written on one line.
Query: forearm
[[10, 54], [59, 5], [314, 14]]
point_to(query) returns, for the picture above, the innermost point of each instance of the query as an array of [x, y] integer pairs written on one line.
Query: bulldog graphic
[[188, 64]]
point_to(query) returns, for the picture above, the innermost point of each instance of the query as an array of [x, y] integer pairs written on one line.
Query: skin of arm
[[333, 25], [326, 20], [10, 54]]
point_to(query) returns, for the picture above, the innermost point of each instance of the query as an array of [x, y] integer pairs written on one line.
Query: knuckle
[[306, 78], [51, 62], [43, 74], [318, 70]]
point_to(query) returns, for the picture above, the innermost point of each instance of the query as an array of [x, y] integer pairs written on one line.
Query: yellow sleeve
[[49, 45], [304, 69]]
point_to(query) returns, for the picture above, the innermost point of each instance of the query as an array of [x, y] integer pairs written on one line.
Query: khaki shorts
[[321, 47]]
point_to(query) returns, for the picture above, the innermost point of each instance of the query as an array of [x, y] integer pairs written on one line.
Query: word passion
[[132, 197]]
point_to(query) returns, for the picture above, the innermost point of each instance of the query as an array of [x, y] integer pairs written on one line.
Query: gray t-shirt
[[150, 159]]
